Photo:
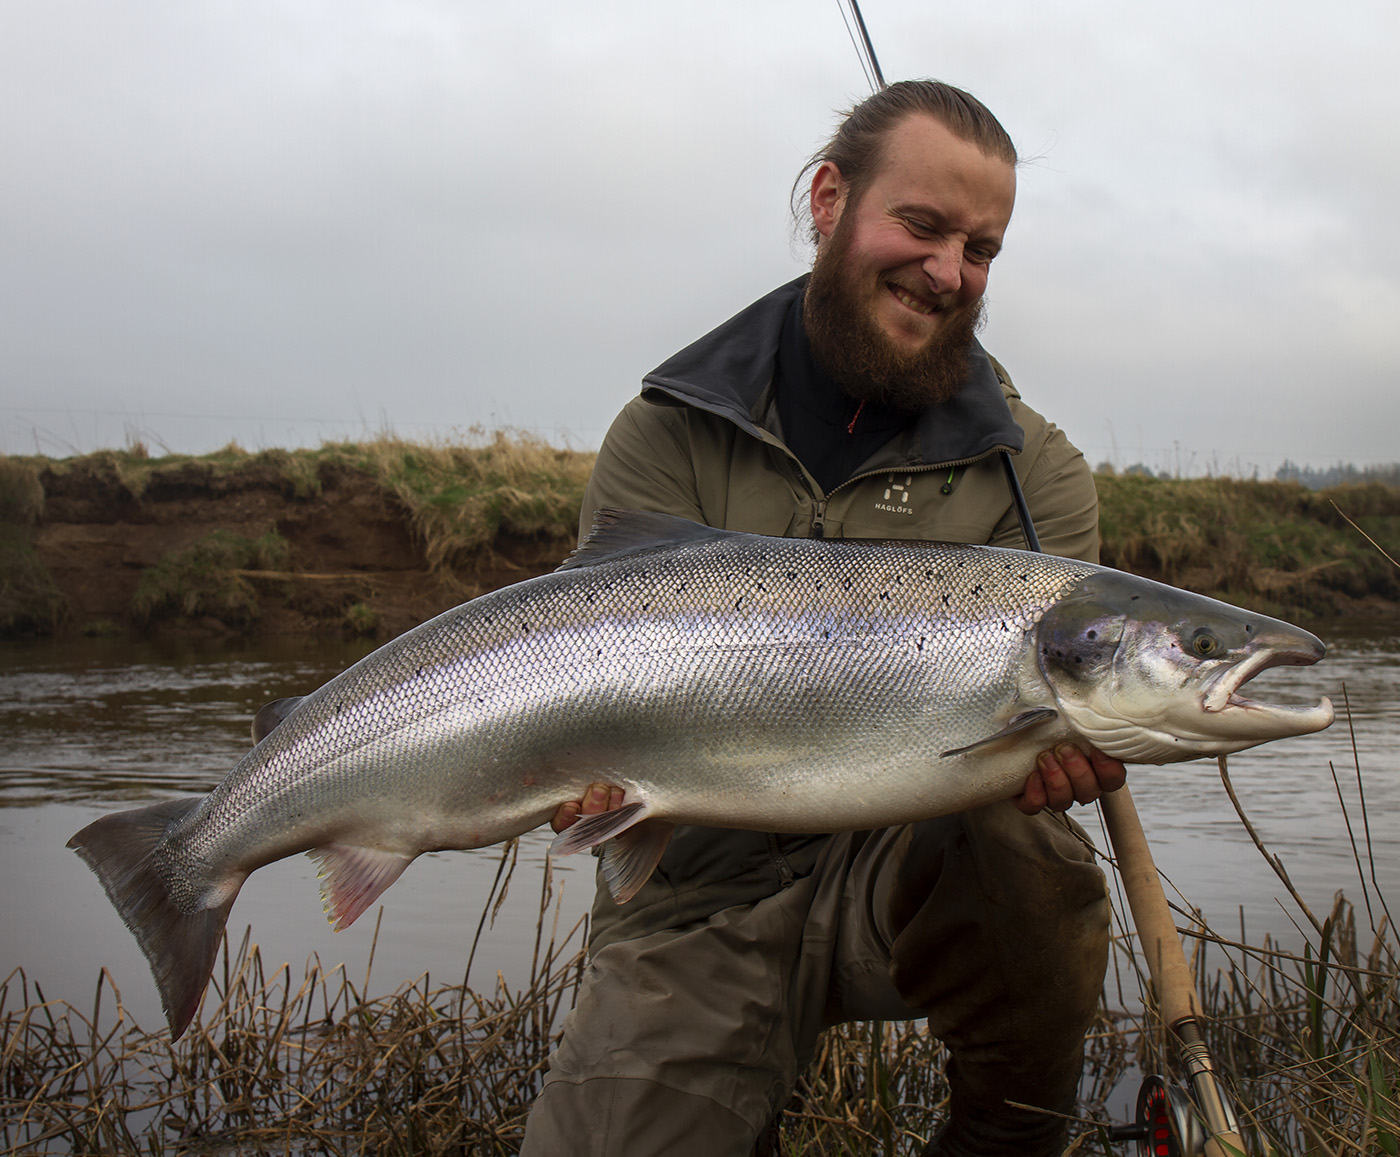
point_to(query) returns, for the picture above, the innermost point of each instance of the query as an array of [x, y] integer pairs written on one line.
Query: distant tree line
[[1342, 474], [1338, 475]]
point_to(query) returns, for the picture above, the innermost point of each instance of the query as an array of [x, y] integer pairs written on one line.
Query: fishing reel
[[1166, 1125]]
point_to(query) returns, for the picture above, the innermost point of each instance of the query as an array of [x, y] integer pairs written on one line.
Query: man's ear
[[828, 197]]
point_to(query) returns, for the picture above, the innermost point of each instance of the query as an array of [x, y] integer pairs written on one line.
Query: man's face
[[897, 285]]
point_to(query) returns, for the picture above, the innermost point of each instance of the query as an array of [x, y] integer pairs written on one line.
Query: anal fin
[[353, 878], [1017, 723]]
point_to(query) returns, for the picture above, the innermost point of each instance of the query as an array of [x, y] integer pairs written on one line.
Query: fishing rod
[[1166, 1126]]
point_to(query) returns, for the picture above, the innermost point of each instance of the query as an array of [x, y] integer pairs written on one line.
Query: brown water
[[96, 725]]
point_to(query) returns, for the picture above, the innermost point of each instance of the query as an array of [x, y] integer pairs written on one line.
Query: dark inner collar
[[830, 432]]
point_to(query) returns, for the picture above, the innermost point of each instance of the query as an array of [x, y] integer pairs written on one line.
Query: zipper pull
[[819, 520]]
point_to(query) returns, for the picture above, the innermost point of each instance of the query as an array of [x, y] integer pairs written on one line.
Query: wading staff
[[1166, 963]]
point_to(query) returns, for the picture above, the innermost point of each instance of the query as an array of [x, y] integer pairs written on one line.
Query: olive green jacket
[[704, 441]]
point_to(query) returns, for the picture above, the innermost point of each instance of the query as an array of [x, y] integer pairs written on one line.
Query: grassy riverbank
[[371, 537]]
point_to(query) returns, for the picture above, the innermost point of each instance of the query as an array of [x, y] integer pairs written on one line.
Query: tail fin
[[180, 947]]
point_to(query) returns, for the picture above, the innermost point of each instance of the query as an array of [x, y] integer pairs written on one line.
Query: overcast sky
[[285, 221]]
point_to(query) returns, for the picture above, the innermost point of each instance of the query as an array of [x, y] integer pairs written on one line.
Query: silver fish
[[722, 679]]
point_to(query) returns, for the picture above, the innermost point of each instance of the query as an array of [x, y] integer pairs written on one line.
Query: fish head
[[1148, 673]]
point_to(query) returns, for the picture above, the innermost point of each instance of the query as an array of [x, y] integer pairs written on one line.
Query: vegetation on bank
[[1307, 1042], [1276, 546], [30, 601]]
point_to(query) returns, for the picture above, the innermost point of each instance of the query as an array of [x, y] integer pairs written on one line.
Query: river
[[90, 726]]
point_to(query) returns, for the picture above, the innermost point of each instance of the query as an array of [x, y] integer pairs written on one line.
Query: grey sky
[[282, 222]]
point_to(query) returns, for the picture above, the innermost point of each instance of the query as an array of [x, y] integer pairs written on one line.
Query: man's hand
[[1066, 776], [600, 797]]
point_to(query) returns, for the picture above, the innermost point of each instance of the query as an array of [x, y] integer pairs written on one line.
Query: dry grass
[[462, 496]]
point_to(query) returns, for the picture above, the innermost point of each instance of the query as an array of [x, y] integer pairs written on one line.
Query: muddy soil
[[353, 561]]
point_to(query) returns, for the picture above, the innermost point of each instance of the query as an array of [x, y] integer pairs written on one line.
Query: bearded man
[[857, 403]]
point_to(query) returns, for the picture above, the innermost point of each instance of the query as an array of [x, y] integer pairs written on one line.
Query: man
[[853, 403]]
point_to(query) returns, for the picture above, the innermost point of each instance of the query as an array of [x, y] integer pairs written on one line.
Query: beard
[[852, 349]]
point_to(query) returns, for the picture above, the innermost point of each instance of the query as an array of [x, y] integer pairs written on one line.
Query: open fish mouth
[[1223, 694]]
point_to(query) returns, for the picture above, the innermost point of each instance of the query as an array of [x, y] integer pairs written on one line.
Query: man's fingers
[[1083, 783], [1067, 776], [1110, 772], [600, 797], [595, 799], [565, 816], [1033, 799]]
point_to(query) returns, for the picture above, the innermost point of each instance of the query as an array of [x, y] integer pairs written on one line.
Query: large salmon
[[722, 679]]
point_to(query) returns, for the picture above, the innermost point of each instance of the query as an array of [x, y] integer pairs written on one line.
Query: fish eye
[[1204, 642]]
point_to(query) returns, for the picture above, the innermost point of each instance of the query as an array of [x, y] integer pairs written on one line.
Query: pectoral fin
[[594, 829], [633, 845], [1017, 723], [630, 859]]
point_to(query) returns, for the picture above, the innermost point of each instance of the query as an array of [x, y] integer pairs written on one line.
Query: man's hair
[[857, 147]]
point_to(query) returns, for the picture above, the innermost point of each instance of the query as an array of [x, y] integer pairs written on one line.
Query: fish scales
[[655, 655], [719, 679]]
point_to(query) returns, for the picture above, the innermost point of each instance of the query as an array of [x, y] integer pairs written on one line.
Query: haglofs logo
[[896, 500]]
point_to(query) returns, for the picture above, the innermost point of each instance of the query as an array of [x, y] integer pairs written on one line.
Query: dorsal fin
[[271, 714], [619, 532]]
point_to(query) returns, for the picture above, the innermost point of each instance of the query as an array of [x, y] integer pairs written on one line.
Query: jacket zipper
[[786, 875]]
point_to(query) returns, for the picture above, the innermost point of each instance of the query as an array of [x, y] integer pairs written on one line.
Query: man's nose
[[943, 266]]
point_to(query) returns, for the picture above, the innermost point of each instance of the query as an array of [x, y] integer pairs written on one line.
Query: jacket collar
[[729, 372]]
